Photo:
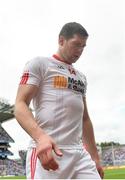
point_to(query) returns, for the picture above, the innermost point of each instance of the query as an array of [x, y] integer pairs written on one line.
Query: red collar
[[59, 59]]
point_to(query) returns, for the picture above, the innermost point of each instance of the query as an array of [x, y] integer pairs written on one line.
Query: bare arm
[[24, 116], [89, 139], [22, 112]]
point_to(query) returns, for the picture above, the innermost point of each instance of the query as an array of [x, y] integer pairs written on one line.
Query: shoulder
[[81, 75], [38, 61]]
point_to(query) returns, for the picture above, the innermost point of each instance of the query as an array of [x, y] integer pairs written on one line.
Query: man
[[61, 118]]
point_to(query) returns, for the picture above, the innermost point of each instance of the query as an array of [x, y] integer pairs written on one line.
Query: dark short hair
[[72, 28]]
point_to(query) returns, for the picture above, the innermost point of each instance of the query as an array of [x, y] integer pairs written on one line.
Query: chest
[[64, 77]]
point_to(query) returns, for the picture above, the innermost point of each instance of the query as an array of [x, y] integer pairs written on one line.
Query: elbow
[[18, 110]]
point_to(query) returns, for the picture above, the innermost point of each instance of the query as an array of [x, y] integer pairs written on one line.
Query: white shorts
[[74, 164]]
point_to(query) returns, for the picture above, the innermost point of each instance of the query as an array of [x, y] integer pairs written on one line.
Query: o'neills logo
[[70, 83], [76, 85]]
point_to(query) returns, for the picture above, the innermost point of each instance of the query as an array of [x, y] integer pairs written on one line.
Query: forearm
[[89, 140], [26, 119]]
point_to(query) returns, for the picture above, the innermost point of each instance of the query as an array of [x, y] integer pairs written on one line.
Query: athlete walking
[[61, 123]]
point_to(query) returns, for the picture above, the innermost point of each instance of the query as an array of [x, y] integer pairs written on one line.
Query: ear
[[61, 40]]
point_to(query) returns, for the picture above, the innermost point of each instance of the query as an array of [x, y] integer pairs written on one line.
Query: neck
[[59, 56]]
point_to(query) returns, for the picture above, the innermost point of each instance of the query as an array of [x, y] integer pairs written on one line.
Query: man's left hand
[[100, 170]]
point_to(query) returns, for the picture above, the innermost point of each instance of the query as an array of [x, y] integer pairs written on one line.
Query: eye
[[78, 45]]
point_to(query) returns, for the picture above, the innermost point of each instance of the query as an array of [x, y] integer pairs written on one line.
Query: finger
[[101, 172], [51, 160], [53, 166], [47, 160], [44, 161], [57, 150]]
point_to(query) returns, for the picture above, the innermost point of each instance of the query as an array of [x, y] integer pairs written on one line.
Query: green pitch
[[13, 177], [115, 173], [109, 174]]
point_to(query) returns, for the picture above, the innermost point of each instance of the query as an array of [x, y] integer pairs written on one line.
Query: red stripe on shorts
[[33, 163]]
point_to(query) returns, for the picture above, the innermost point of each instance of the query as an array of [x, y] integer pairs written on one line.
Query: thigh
[[85, 167]]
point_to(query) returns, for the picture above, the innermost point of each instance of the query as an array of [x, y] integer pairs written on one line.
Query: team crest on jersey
[[60, 82], [70, 83]]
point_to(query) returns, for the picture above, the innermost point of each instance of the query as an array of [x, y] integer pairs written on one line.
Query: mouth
[[76, 57]]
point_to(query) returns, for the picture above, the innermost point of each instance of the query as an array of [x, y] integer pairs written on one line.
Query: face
[[71, 49]]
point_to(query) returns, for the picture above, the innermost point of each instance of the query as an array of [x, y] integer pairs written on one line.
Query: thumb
[[57, 150]]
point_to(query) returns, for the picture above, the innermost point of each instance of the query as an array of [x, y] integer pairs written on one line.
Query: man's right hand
[[44, 149]]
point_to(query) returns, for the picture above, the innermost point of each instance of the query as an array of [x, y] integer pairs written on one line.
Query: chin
[[74, 60], [71, 62]]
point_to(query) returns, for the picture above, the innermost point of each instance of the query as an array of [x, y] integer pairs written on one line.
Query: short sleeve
[[32, 73]]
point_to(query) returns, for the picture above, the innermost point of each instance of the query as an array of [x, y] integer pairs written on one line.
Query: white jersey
[[58, 104]]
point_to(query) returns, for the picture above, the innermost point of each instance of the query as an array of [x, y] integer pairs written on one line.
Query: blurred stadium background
[[112, 156]]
